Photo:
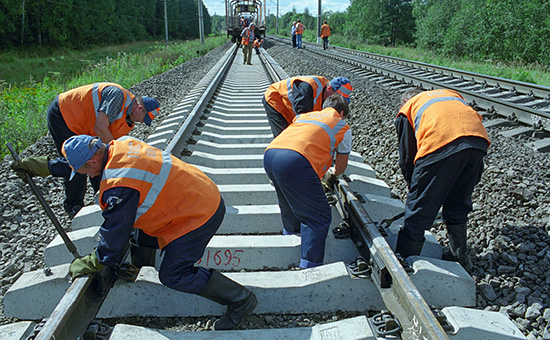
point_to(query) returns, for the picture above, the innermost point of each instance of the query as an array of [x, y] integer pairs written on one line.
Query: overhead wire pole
[[201, 22], [166, 23], [319, 22], [277, 18]]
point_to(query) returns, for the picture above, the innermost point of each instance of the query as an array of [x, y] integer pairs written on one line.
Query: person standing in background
[[293, 34], [247, 42], [299, 32], [325, 33]]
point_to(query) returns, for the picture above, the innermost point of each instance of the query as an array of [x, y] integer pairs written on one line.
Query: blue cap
[[80, 149], [152, 108], [342, 86]]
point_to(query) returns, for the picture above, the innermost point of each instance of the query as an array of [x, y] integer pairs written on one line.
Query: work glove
[[34, 166], [85, 265], [328, 180]]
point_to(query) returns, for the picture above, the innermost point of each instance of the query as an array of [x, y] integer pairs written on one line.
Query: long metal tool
[[70, 245]]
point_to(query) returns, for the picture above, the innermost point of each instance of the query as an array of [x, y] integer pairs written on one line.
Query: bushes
[[23, 107], [509, 30]]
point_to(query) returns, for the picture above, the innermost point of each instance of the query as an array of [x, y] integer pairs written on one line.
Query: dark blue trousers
[[302, 200], [178, 270], [76, 188], [448, 183]]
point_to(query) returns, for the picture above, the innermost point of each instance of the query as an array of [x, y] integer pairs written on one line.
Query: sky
[[218, 6]]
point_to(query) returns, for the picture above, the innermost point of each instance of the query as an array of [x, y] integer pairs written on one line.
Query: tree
[[384, 22]]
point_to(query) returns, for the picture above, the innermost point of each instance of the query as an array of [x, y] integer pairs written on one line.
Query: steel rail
[[520, 86], [74, 312], [276, 73], [396, 288], [181, 136], [491, 104], [500, 106]]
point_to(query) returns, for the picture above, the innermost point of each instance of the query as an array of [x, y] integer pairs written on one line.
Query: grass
[[30, 81]]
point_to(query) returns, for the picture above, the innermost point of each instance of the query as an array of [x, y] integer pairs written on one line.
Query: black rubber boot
[[142, 256], [239, 300], [407, 247], [458, 248]]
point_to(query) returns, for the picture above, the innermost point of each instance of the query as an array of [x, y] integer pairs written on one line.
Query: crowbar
[[70, 245]]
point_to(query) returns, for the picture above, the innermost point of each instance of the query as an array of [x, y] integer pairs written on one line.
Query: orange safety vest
[[279, 95], [300, 28], [174, 197], [314, 135], [79, 108], [246, 36], [325, 31], [439, 117], [257, 43]]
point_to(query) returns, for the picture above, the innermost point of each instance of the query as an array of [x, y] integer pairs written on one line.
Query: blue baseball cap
[[152, 107], [80, 149], [342, 86]]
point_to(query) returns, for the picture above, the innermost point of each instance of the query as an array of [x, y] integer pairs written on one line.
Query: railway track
[[506, 102], [221, 128]]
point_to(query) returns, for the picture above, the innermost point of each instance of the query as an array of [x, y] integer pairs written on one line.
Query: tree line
[[80, 23], [507, 30]]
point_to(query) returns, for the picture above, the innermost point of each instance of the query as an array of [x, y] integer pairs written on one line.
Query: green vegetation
[[82, 23], [504, 38], [23, 103]]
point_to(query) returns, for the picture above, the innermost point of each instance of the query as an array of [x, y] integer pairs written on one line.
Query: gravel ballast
[[509, 226]]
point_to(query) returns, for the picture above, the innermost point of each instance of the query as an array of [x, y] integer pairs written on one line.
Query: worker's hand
[[34, 166], [85, 265], [329, 179]]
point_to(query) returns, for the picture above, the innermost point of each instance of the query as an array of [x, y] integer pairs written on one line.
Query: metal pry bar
[[70, 245]]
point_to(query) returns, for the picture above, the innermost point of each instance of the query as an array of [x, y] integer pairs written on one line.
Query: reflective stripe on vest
[[96, 100], [315, 136], [439, 117], [423, 108], [319, 93], [330, 132], [175, 198], [345, 90], [157, 181]]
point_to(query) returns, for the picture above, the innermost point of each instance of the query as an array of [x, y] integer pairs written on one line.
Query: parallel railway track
[[222, 129], [515, 101]]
